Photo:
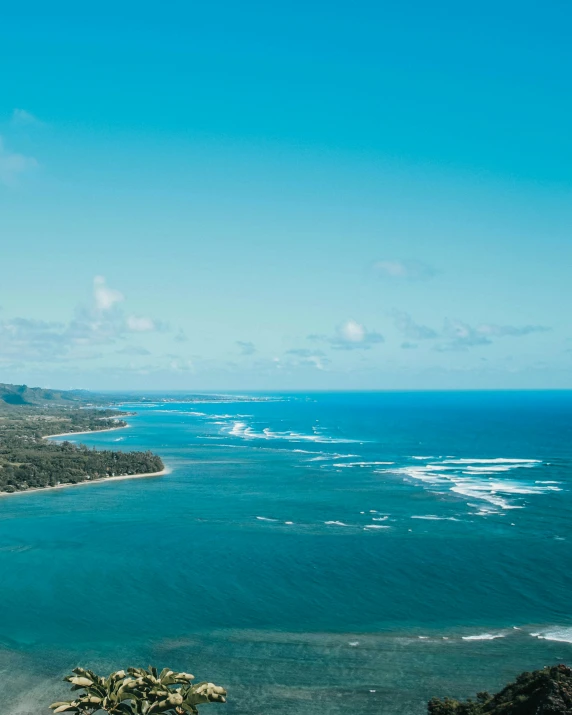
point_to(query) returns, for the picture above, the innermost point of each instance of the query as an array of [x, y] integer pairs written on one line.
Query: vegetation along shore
[[28, 461]]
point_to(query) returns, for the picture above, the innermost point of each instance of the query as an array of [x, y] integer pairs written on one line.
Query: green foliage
[[138, 692], [29, 461], [542, 692]]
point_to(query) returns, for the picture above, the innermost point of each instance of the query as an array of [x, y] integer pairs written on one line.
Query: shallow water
[[310, 549]]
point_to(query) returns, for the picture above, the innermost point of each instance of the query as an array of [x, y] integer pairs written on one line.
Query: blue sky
[[286, 196]]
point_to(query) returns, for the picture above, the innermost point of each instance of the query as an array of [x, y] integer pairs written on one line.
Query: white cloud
[[13, 165], [101, 323], [458, 335], [22, 118], [105, 297], [140, 324], [181, 365], [303, 357], [503, 331], [351, 335], [461, 336], [351, 332], [315, 361], [406, 325], [404, 270]]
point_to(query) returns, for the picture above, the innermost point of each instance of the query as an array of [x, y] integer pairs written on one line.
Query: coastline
[[88, 431], [101, 480]]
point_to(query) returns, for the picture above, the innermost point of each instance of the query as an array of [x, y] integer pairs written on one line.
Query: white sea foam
[[335, 523], [496, 460], [376, 526], [483, 637], [479, 479], [562, 634], [324, 457], [360, 464], [379, 518], [238, 429], [265, 518], [490, 469], [434, 517], [241, 429]]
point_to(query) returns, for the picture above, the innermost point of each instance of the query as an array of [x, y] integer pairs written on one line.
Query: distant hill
[[24, 395]]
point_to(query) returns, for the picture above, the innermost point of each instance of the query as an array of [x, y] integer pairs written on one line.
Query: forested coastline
[[29, 461]]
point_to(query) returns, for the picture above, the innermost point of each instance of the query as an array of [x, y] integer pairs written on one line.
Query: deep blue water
[[305, 551]]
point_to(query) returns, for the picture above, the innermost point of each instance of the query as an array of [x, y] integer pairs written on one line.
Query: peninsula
[[28, 461]]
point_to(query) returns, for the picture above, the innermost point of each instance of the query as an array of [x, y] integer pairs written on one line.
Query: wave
[[555, 633], [335, 523], [359, 464], [480, 479], [265, 518], [489, 469], [376, 526], [483, 637], [434, 517], [244, 431], [496, 460], [238, 429]]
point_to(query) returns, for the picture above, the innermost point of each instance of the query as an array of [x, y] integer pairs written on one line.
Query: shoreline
[[100, 480], [88, 431]]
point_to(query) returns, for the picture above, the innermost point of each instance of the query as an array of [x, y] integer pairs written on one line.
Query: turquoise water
[[309, 552]]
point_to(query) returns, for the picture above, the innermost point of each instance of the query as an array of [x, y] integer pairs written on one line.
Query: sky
[[286, 196]]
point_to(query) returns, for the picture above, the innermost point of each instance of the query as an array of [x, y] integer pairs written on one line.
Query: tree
[[542, 692], [138, 692]]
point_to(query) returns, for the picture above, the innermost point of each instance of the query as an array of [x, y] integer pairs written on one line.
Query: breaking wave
[[244, 431], [479, 480]]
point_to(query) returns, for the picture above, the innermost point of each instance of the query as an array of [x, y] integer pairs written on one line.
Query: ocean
[[313, 553]]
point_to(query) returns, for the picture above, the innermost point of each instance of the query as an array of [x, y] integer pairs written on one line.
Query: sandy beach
[[100, 480], [89, 431]]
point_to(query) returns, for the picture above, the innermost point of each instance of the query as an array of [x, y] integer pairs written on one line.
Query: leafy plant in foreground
[[138, 692]]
